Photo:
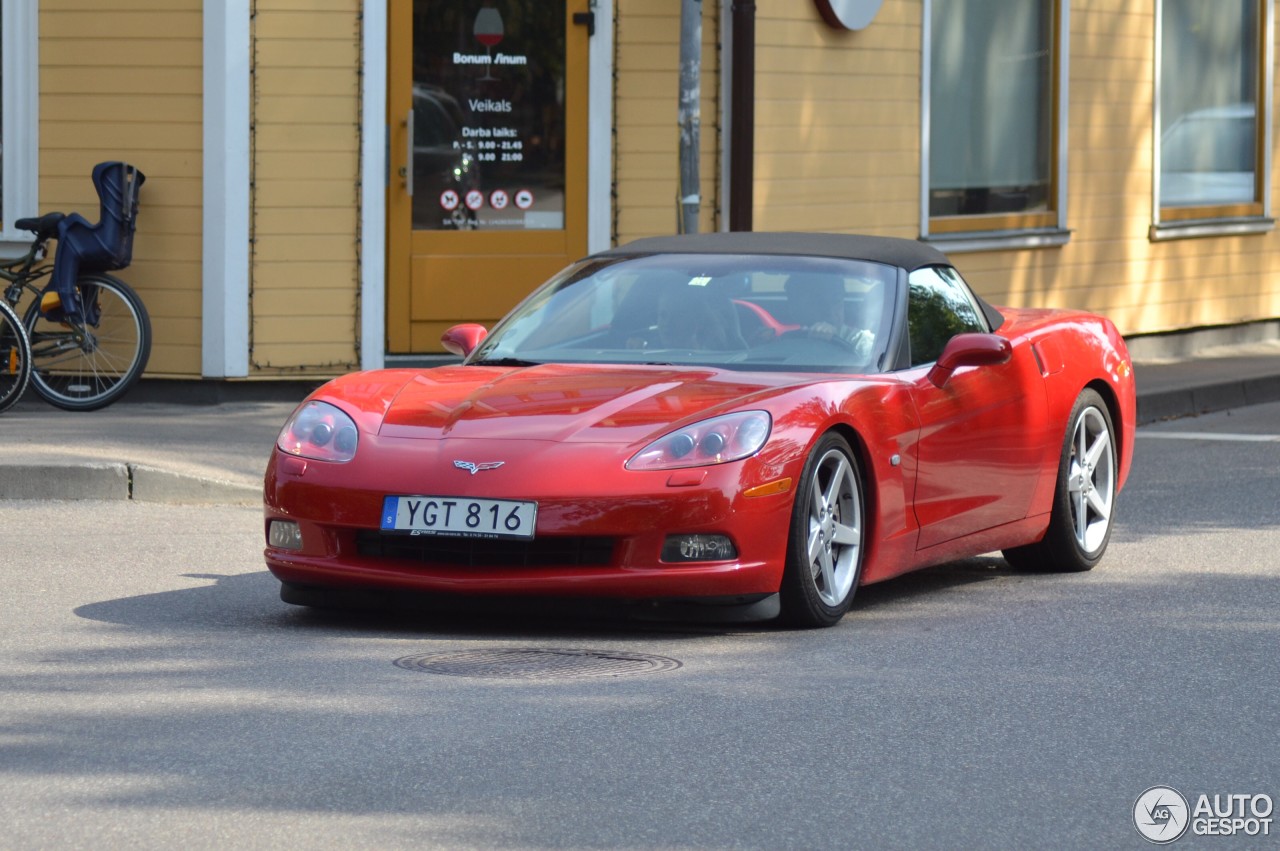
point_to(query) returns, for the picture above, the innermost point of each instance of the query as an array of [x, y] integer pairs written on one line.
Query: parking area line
[[1208, 435]]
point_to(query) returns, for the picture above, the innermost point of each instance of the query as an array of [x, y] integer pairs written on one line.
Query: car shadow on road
[[923, 583], [251, 600]]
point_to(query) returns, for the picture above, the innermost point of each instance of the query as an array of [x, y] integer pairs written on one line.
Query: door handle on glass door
[[407, 171]]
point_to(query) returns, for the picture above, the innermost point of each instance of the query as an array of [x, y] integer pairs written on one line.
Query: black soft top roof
[[905, 253]]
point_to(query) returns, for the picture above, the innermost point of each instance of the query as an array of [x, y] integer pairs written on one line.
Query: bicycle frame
[[22, 274], [24, 271]]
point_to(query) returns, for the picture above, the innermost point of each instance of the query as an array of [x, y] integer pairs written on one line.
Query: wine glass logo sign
[[488, 30]]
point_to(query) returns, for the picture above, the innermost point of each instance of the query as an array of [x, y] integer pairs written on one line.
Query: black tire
[[825, 545], [1084, 499], [15, 358], [89, 367]]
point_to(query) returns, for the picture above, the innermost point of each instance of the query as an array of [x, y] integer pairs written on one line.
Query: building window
[[992, 109], [1211, 74], [19, 140]]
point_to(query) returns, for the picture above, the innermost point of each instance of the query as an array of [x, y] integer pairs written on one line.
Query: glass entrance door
[[487, 195]]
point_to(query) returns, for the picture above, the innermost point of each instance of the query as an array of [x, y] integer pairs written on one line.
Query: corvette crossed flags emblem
[[472, 467]]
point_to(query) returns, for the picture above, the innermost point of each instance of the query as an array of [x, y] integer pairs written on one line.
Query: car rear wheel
[[1084, 500], [824, 551]]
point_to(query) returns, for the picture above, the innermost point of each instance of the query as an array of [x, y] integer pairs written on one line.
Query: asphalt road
[[154, 693]]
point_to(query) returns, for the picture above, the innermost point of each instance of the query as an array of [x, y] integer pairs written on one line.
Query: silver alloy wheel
[[835, 527], [1091, 482]]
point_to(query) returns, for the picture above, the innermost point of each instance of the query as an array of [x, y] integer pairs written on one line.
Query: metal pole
[[742, 116], [690, 112]]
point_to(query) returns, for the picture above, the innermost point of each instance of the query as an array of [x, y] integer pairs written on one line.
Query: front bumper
[[623, 517]]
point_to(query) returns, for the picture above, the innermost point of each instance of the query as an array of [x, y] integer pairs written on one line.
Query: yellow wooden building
[[331, 183]]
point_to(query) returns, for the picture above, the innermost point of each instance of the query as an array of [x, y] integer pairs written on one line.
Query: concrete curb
[[1207, 398], [64, 481], [119, 481], [151, 484]]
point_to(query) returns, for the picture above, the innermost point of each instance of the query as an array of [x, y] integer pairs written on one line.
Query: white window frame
[[1165, 228], [20, 133], [998, 238]]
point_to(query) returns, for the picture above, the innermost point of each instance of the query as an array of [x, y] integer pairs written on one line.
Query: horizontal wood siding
[[838, 149], [837, 121], [1110, 264], [122, 80], [306, 161], [646, 116]]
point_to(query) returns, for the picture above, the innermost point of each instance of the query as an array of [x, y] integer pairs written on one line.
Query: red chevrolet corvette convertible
[[746, 425]]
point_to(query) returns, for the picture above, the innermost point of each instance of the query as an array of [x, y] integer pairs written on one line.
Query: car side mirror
[[969, 350], [463, 339]]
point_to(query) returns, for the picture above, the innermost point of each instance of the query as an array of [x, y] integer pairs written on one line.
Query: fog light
[[682, 548], [284, 535]]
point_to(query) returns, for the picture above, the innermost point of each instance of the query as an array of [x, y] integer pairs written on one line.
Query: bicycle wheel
[[15, 357], [83, 368]]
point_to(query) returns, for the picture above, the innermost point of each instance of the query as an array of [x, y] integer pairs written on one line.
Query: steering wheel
[[833, 338]]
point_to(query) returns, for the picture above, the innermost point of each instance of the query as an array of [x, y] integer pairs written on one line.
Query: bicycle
[[15, 357], [89, 333]]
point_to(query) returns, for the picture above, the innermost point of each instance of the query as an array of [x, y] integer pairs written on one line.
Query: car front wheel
[[824, 551]]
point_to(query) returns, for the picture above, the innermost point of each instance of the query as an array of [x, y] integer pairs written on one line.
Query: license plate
[[459, 516]]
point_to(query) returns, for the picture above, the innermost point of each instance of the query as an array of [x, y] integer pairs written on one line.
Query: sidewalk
[[150, 451], [1213, 380], [211, 444]]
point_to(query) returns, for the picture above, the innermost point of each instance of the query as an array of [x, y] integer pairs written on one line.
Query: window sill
[[1198, 228], [14, 245], [1012, 240]]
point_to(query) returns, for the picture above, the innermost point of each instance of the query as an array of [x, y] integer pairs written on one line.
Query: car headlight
[[320, 431], [714, 441]]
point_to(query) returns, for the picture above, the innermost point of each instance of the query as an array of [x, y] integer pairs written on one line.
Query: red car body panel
[[950, 471]]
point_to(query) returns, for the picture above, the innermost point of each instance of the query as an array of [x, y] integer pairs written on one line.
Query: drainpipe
[[742, 115], [689, 115]]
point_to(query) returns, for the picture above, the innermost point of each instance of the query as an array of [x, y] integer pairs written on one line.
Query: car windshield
[[748, 312]]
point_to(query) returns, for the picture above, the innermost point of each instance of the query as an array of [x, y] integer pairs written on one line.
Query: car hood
[[601, 404]]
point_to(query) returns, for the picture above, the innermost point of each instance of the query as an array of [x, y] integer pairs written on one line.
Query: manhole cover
[[528, 663]]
